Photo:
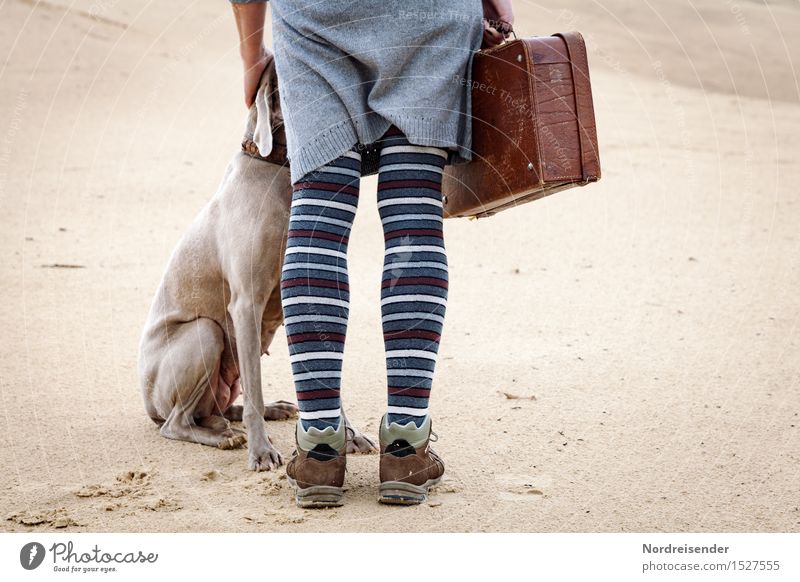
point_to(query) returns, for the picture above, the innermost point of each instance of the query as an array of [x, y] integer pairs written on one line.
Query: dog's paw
[[235, 441], [264, 458], [280, 410], [359, 443]]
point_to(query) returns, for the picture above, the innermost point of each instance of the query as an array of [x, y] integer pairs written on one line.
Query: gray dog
[[218, 304]]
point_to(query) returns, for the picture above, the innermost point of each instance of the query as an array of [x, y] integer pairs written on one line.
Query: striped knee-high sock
[[414, 285], [314, 286]]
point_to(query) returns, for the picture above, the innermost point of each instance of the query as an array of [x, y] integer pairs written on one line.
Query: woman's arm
[[250, 16], [495, 11]]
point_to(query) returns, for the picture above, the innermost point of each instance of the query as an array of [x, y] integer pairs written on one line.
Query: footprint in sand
[[57, 518], [268, 484], [445, 486], [162, 504], [129, 485], [517, 488], [212, 475]]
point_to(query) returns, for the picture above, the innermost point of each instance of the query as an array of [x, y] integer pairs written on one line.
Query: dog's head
[[264, 134]]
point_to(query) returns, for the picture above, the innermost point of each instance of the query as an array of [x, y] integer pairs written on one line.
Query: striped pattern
[[414, 282], [315, 291]]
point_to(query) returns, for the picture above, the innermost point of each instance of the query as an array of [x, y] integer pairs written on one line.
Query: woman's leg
[[414, 285], [314, 286]]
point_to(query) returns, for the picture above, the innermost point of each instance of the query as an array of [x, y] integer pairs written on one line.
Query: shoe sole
[[402, 493], [317, 495]]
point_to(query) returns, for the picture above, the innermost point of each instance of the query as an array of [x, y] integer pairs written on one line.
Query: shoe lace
[[434, 437]]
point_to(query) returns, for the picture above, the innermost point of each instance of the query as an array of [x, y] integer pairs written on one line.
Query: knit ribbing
[[334, 141]]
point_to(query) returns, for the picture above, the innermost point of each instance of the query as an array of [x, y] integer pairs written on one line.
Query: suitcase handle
[[503, 27]]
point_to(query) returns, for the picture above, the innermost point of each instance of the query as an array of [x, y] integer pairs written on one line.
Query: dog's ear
[[270, 82], [265, 113], [262, 133]]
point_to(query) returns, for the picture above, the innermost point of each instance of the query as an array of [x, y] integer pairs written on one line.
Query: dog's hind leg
[[278, 410], [187, 382], [233, 438], [182, 426], [213, 431]]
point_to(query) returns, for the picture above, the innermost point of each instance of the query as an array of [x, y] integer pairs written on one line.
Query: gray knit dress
[[349, 69]]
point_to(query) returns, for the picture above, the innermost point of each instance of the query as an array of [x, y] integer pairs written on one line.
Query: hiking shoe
[[408, 466], [316, 469]]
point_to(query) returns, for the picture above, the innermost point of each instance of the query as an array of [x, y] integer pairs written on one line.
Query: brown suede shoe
[[408, 465], [316, 470]]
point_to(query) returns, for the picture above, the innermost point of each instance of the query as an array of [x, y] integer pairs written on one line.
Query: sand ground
[[650, 321]]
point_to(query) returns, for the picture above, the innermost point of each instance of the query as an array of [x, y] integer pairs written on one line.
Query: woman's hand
[[255, 56], [254, 66], [495, 12]]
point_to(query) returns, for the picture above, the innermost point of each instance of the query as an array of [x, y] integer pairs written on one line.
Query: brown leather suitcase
[[533, 128]]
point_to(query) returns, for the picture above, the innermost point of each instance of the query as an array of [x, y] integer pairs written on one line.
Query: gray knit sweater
[[348, 69]]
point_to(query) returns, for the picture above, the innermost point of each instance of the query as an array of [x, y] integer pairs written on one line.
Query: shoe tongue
[[308, 439], [410, 432], [320, 433]]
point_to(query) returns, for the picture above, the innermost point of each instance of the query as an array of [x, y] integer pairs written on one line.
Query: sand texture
[[621, 357]]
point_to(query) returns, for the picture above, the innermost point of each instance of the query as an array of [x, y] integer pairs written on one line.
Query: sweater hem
[[342, 137], [447, 135], [323, 149]]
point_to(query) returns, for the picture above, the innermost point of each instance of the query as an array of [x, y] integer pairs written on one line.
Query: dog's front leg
[[246, 315]]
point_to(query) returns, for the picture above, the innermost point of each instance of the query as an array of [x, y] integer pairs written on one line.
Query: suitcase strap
[[574, 44]]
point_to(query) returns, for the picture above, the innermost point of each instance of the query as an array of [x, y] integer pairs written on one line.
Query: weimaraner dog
[[218, 305]]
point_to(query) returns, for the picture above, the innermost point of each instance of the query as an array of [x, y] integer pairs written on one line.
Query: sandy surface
[[650, 320]]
